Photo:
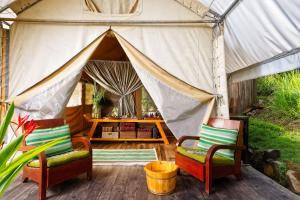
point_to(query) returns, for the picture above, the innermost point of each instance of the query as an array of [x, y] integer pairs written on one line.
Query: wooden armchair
[[207, 170], [47, 176]]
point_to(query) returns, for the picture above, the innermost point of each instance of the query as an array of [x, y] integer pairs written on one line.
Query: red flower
[[30, 127], [22, 120]]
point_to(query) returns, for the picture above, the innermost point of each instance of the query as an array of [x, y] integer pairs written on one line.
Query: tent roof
[[216, 6], [256, 34]]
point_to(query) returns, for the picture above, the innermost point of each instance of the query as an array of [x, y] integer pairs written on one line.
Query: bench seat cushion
[[199, 155], [61, 159]]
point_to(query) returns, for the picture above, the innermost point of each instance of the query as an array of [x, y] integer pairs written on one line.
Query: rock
[[293, 178], [272, 154], [256, 160], [271, 169]]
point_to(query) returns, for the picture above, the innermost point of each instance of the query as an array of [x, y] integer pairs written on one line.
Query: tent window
[[115, 7], [75, 99], [148, 106], [89, 91]]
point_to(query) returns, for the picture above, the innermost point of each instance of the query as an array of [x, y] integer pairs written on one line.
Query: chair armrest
[[26, 148], [83, 140], [212, 150], [186, 137], [42, 155], [43, 162]]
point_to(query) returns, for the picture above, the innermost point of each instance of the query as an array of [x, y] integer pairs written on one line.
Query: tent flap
[[183, 108], [48, 98]]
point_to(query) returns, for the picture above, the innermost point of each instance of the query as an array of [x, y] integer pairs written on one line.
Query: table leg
[[162, 133], [92, 131]]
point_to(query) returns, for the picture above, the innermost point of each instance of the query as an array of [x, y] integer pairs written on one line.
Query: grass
[[277, 126], [282, 92], [266, 135]]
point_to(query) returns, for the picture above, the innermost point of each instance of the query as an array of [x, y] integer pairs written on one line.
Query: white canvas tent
[[183, 51]]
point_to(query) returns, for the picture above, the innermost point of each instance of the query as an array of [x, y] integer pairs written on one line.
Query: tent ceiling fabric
[[219, 6], [109, 49], [259, 30]]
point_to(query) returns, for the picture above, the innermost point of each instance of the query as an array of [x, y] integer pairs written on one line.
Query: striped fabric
[[41, 136], [123, 156], [211, 135]]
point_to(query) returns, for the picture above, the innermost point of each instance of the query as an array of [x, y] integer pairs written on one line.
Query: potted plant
[[10, 164], [98, 97]]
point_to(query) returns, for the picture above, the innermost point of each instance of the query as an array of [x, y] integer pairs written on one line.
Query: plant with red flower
[[10, 166], [22, 120], [30, 127]]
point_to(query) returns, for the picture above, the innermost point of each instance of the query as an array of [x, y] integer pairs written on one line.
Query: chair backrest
[[230, 124], [47, 123]]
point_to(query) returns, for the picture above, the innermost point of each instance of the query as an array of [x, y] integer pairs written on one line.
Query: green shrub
[[286, 96], [266, 85], [283, 91]]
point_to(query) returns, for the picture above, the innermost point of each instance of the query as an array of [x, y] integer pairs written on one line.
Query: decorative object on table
[[155, 133], [123, 156], [110, 135], [161, 177], [204, 163], [127, 130], [107, 128], [98, 96], [144, 132], [110, 132], [11, 165]]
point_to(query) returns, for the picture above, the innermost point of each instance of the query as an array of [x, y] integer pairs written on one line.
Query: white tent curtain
[[117, 77], [183, 107], [38, 50], [48, 98], [188, 59]]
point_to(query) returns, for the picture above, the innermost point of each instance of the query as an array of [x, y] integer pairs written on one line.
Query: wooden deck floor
[[129, 182]]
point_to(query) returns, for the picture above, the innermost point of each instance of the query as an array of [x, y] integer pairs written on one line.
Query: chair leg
[[42, 191], [25, 179], [208, 178], [238, 176], [89, 174], [208, 186]]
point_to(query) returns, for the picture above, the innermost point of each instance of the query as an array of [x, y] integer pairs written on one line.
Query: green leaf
[[6, 180], [6, 121], [26, 157], [9, 150]]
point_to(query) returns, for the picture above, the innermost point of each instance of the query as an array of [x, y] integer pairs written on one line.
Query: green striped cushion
[[41, 136], [211, 135]]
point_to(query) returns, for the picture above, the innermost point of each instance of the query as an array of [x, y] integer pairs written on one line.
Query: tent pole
[[231, 7], [114, 22], [219, 73]]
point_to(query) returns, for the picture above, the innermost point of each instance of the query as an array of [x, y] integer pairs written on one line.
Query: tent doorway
[[108, 51]]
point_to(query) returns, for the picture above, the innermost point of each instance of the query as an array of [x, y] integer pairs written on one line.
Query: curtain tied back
[[117, 77]]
